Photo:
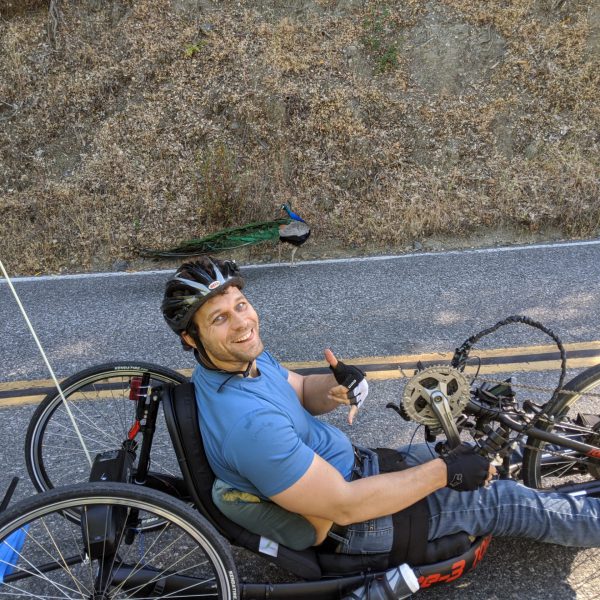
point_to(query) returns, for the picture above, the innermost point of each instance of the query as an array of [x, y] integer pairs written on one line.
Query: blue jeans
[[374, 536], [507, 508]]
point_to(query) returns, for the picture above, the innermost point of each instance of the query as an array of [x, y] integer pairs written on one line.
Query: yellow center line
[[527, 363], [445, 357], [531, 367]]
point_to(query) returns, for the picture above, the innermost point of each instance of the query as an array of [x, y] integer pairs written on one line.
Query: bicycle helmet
[[192, 285]]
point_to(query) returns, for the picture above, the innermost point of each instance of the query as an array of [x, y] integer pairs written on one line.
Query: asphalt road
[[410, 304], [415, 304]]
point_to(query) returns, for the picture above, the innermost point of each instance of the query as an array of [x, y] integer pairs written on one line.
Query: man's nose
[[239, 321]]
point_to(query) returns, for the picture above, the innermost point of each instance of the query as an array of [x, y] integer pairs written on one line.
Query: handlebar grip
[[495, 441]]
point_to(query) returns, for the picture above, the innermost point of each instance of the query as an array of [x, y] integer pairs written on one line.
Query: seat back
[[182, 418]]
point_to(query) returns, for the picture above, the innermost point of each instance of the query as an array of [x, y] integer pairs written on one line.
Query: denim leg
[[507, 508], [375, 536], [417, 454]]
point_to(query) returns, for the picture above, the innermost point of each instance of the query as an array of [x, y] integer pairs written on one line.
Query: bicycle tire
[[35, 534], [99, 401], [543, 475]]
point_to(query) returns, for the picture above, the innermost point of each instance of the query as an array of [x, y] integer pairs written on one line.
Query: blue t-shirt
[[257, 436]]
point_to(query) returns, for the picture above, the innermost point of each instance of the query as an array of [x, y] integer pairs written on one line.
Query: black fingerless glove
[[467, 469], [354, 379], [347, 375]]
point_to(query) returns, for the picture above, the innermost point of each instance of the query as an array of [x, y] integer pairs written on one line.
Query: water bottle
[[395, 584]]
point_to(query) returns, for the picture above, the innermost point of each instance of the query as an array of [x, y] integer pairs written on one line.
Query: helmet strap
[[199, 351], [202, 357]]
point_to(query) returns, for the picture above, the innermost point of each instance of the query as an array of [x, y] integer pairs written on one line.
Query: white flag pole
[[37, 341]]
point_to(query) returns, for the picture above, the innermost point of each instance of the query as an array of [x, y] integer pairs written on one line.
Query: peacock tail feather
[[226, 239]]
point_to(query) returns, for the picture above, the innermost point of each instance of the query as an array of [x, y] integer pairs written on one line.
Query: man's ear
[[188, 339]]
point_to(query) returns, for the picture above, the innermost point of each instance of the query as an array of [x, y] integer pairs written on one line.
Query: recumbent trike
[[137, 532]]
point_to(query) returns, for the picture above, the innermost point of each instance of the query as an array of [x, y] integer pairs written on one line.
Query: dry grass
[[146, 122]]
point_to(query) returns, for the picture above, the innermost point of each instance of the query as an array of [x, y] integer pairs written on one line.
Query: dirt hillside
[[128, 124]]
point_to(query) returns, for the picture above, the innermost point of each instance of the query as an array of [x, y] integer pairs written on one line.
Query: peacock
[[291, 229], [296, 232]]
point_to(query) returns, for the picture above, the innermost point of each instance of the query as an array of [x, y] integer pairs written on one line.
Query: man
[[263, 440]]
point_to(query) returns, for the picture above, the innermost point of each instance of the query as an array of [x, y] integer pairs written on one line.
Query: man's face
[[229, 331]]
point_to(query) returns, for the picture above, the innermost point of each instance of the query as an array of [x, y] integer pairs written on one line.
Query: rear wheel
[[105, 556], [576, 413], [103, 403]]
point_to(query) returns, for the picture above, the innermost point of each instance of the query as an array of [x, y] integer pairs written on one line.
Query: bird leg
[[293, 252]]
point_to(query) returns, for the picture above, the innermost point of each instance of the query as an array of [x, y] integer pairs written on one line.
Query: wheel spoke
[[549, 465], [183, 556], [100, 401]]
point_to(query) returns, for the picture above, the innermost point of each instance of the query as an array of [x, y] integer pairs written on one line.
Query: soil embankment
[[127, 124]]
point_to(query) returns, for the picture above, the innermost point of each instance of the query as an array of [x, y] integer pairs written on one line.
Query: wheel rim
[[173, 561], [552, 466], [101, 406]]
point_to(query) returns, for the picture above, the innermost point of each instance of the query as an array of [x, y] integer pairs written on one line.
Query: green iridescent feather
[[226, 239]]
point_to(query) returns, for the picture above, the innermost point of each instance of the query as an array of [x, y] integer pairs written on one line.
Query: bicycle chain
[[525, 386], [533, 388]]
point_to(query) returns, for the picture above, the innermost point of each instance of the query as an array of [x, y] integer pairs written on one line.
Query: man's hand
[[353, 387], [467, 470]]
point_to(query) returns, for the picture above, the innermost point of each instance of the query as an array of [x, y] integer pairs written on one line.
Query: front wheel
[[105, 555], [103, 402], [576, 413]]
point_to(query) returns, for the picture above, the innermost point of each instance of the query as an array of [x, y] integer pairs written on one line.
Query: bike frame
[[145, 423], [553, 438]]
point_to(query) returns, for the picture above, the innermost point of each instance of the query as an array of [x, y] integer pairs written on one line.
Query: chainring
[[451, 382]]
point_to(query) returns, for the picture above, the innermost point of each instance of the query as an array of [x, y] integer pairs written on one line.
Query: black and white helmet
[[192, 285]]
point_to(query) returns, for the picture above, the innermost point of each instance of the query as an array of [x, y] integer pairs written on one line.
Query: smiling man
[[269, 451], [226, 330], [244, 394]]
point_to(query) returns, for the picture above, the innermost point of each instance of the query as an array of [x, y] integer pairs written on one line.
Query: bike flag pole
[[50, 369]]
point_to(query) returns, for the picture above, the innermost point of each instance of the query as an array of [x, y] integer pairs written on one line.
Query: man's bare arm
[[322, 492], [319, 394]]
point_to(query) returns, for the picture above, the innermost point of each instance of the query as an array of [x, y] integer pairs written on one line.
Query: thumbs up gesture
[[352, 385]]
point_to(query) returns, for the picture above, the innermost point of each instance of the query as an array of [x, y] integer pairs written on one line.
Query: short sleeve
[[275, 364], [264, 448]]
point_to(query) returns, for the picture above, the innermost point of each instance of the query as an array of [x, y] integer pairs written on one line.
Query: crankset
[[434, 397]]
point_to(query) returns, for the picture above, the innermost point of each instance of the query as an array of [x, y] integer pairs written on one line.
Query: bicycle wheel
[[577, 415], [45, 555], [103, 403]]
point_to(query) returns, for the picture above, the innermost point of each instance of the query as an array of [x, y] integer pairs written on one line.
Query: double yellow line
[[499, 360]]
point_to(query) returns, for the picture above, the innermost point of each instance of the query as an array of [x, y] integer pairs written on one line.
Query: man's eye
[[219, 319], [241, 306]]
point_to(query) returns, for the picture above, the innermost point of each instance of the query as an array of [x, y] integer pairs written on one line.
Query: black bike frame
[[552, 438]]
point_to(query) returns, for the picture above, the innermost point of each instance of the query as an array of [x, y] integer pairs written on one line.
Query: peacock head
[[291, 214]]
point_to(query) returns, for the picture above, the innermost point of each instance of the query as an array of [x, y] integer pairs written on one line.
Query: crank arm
[[441, 408]]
